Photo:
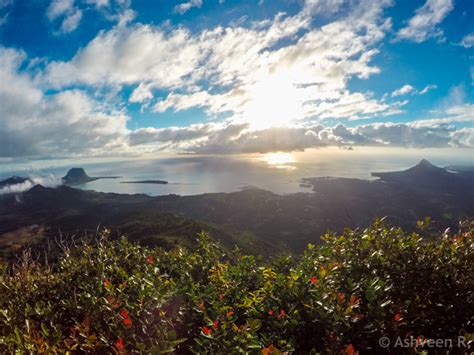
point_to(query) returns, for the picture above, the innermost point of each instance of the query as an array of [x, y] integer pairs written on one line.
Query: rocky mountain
[[76, 176]]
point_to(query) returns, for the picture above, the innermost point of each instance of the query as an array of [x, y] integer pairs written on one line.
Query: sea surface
[[276, 172]]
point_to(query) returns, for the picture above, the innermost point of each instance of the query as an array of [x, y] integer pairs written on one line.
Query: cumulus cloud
[[424, 24], [273, 72], [234, 139], [67, 122], [277, 81]]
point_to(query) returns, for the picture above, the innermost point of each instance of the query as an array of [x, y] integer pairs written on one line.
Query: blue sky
[[127, 77]]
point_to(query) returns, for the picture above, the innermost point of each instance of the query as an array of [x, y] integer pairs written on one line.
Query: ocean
[[276, 172]]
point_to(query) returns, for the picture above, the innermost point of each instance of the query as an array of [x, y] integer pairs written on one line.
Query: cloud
[[48, 181], [185, 6], [278, 82], [459, 113], [427, 89], [71, 22], [236, 139], [424, 24], [405, 89], [464, 137], [64, 123], [4, 11], [58, 8], [273, 72], [323, 6], [408, 89], [142, 93], [70, 12], [468, 41], [65, 9], [71, 123]]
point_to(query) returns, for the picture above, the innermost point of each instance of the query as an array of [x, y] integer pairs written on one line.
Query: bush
[[341, 297]]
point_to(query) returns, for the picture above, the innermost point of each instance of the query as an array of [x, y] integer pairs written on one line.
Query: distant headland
[[159, 182]]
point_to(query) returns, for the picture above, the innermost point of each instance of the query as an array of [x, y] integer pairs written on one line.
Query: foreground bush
[[341, 297]]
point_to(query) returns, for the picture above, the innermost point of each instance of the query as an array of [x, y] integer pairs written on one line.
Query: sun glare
[[274, 102], [279, 160]]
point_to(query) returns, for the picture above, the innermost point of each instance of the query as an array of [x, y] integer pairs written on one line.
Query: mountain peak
[[76, 173], [76, 176], [425, 163]]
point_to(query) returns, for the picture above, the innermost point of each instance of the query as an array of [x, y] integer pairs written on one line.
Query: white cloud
[[142, 93], [70, 123], [58, 8], [71, 22], [427, 89], [70, 13], [425, 23], [272, 73], [186, 6], [65, 9], [98, 3], [459, 113], [405, 89], [48, 181], [468, 41], [323, 7], [464, 137], [408, 89], [277, 80], [65, 123]]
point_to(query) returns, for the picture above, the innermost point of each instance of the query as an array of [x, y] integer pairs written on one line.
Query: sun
[[274, 102], [279, 160]]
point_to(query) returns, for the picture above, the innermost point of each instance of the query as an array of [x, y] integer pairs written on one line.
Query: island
[[77, 176], [160, 182]]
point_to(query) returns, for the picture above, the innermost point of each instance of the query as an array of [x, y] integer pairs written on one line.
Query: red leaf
[[119, 343]]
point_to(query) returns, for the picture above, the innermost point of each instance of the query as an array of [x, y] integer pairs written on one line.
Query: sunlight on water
[[279, 172], [279, 160]]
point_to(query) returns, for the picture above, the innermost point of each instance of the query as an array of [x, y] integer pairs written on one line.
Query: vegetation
[[114, 296]]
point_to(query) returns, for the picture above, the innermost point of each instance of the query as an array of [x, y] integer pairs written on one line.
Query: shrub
[[341, 297]]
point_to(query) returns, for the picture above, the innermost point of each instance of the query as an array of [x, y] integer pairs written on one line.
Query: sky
[[127, 78]]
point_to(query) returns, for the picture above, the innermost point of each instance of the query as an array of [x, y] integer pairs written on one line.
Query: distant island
[[76, 176], [160, 182]]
